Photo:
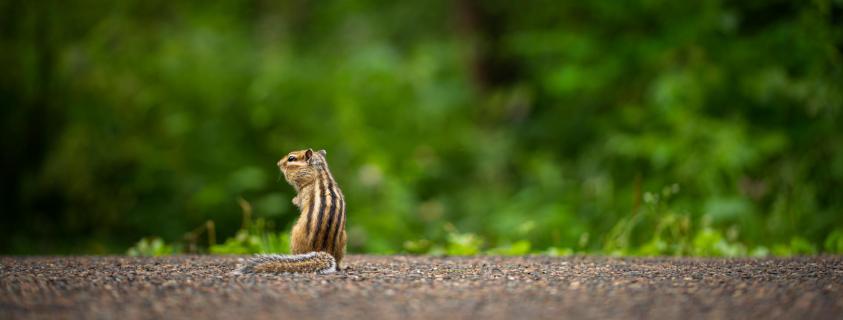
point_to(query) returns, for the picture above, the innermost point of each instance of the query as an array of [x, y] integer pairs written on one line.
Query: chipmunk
[[318, 239]]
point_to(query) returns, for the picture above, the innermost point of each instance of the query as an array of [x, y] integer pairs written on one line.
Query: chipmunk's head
[[302, 167]]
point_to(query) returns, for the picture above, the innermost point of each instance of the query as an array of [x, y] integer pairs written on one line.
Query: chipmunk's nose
[[281, 163]]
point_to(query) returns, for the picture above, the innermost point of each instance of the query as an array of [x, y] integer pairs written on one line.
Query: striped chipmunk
[[318, 239]]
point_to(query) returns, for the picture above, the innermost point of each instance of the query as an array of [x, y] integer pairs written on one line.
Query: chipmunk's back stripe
[[318, 227], [323, 231], [339, 215], [340, 222], [338, 207], [337, 225], [310, 213], [327, 235]]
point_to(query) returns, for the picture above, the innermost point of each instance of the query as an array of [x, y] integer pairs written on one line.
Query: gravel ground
[[404, 287]]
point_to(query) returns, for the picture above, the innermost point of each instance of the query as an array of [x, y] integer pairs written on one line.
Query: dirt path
[[402, 287]]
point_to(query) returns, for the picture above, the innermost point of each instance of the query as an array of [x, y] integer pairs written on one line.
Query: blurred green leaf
[[151, 247]]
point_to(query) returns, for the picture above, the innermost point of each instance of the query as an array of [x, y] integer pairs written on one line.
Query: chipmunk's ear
[[323, 152], [308, 154]]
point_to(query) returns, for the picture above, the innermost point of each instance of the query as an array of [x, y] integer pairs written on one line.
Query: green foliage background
[[647, 127]]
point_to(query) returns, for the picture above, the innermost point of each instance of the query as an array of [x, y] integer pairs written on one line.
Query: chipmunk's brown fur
[[321, 225]]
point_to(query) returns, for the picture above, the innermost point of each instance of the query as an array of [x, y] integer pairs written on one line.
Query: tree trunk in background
[[483, 28], [31, 118]]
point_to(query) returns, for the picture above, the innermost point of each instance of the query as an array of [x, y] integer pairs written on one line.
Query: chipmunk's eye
[[291, 158]]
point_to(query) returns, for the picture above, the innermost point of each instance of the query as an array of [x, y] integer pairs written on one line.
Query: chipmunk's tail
[[319, 262]]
